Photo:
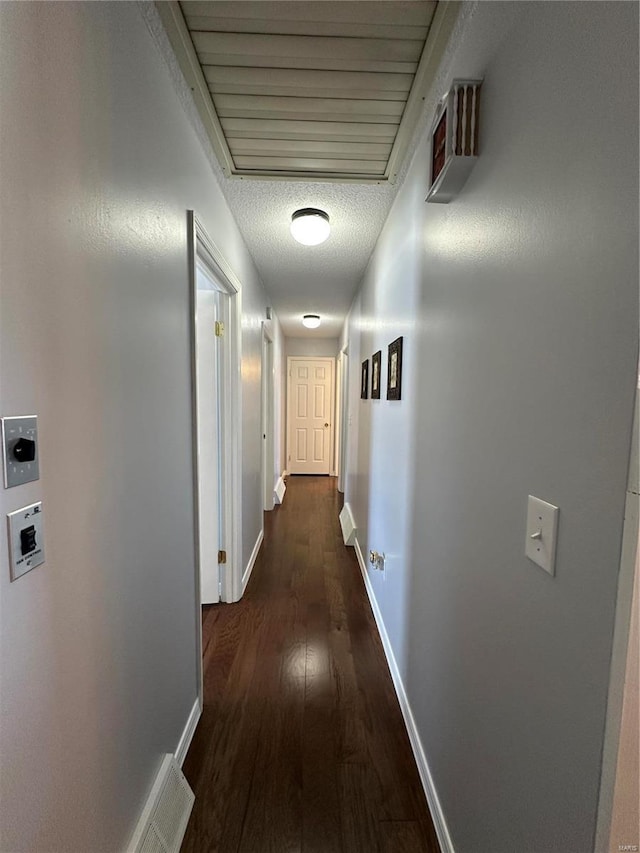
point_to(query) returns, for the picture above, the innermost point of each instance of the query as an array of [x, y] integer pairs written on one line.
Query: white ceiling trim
[[442, 27], [180, 39]]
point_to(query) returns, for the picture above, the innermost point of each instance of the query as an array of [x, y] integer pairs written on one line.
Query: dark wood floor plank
[[273, 818], [301, 747], [321, 809], [217, 817], [321, 816], [359, 797], [407, 837]]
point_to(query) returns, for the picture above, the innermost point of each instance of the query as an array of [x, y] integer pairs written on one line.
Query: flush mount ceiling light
[[311, 321], [310, 226]]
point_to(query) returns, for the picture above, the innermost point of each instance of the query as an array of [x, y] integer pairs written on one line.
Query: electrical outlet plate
[[542, 529], [25, 525], [13, 429]]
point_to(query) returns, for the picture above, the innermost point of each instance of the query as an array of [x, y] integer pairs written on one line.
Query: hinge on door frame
[[219, 328], [222, 557]]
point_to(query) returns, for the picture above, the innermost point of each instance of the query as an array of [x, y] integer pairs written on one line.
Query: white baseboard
[[439, 822], [187, 735], [252, 561]]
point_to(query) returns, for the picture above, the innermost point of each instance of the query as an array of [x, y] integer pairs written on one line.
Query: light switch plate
[[28, 520], [13, 429], [542, 529]]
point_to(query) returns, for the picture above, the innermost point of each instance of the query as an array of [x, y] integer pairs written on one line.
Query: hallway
[[501, 329], [301, 745]]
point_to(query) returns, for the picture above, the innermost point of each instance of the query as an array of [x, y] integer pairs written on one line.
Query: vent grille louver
[[165, 816], [153, 842], [348, 525], [333, 76]]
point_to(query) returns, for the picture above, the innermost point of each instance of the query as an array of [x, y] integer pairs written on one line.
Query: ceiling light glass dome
[[311, 321], [310, 226]]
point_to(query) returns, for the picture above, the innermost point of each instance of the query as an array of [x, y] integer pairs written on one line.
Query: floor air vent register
[[164, 819], [348, 525]]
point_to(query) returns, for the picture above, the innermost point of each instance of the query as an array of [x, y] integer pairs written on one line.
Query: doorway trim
[[342, 422], [337, 428], [267, 419], [202, 249]]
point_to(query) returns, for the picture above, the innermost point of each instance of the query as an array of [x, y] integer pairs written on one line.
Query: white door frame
[[267, 427], [201, 248], [337, 432], [622, 624], [332, 402], [346, 419], [342, 419]]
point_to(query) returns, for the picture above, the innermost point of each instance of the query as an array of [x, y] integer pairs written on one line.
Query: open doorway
[[211, 320], [215, 335]]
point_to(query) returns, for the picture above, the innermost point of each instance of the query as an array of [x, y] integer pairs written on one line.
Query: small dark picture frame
[[376, 370], [364, 380], [394, 370]]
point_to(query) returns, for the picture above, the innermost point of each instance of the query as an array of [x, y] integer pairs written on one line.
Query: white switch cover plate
[[542, 529], [27, 521]]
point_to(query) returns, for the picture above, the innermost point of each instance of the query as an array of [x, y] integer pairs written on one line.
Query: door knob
[[326, 425]]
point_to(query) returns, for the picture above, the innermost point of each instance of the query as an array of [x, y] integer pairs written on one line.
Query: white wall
[[518, 304], [320, 347], [99, 166]]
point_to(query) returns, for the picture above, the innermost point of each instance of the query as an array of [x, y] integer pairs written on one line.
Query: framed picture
[[376, 369], [394, 370], [364, 380]]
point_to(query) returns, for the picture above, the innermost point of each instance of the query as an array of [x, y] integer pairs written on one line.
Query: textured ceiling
[[319, 279], [310, 279]]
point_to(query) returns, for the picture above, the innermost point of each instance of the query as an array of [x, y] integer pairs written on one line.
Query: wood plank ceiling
[[303, 89]]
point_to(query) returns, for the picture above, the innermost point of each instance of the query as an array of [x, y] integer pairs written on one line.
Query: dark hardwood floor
[[301, 747]]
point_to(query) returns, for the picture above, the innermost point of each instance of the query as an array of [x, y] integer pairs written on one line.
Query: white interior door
[[311, 392], [209, 399]]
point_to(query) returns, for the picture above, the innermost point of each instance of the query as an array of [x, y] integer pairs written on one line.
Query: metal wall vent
[[164, 819], [280, 489], [348, 525], [153, 842]]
